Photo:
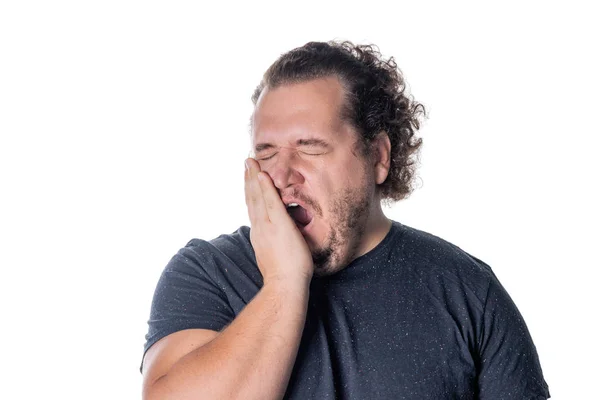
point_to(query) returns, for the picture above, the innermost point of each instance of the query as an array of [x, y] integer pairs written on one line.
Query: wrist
[[292, 289]]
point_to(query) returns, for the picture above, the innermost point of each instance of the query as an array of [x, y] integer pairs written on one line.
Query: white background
[[124, 126]]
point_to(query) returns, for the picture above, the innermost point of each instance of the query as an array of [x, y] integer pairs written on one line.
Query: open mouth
[[301, 216]]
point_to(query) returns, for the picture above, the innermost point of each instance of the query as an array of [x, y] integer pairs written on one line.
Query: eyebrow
[[300, 142]]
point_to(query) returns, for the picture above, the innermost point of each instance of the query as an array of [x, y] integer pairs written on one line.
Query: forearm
[[250, 359]]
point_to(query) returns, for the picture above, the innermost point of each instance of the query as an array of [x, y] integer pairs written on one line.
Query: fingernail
[[246, 164]]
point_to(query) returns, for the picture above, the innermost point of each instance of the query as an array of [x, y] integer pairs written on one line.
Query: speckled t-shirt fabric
[[415, 318]]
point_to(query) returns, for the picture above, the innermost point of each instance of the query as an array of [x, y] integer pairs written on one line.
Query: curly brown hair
[[375, 101]]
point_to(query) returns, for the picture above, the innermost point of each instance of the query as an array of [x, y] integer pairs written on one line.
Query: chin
[[311, 233], [327, 254], [327, 267]]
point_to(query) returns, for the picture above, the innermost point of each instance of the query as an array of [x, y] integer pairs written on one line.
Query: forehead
[[309, 108]]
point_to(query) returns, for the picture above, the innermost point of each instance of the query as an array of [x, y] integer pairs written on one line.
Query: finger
[[273, 203], [254, 197], [250, 197]]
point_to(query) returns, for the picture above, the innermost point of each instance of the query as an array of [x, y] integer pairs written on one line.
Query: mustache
[[295, 193]]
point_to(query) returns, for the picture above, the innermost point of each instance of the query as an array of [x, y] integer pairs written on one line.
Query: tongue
[[300, 215]]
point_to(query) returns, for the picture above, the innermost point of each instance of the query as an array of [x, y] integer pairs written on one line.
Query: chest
[[400, 343]]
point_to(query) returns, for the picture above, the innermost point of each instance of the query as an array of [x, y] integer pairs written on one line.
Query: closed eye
[[308, 154]]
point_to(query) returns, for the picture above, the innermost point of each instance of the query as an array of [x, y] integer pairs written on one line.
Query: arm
[[253, 357], [250, 359], [509, 366]]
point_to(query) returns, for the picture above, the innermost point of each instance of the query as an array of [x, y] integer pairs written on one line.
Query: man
[[324, 297]]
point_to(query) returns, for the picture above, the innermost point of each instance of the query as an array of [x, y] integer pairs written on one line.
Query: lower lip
[[305, 228]]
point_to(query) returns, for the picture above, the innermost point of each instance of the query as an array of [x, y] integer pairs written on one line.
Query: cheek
[[334, 178], [328, 187], [348, 175]]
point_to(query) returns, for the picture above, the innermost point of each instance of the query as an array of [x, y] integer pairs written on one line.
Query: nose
[[283, 170]]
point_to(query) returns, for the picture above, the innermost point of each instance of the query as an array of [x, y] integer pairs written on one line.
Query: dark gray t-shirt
[[414, 318]]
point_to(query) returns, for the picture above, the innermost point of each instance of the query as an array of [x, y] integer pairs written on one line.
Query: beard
[[349, 212]]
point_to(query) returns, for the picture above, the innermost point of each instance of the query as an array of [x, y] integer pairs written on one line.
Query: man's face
[[326, 172]]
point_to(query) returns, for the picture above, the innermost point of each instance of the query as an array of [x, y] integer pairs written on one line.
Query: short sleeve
[[186, 297], [509, 367]]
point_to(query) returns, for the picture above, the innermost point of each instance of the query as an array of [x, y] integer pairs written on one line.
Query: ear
[[381, 150]]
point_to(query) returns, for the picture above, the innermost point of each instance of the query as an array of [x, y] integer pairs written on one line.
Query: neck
[[377, 227]]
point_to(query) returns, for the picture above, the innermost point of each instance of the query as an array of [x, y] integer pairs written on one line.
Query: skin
[[253, 357], [335, 181]]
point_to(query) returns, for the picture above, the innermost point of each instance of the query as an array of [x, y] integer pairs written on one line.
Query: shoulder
[[226, 244], [432, 256], [233, 243], [226, 249]]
